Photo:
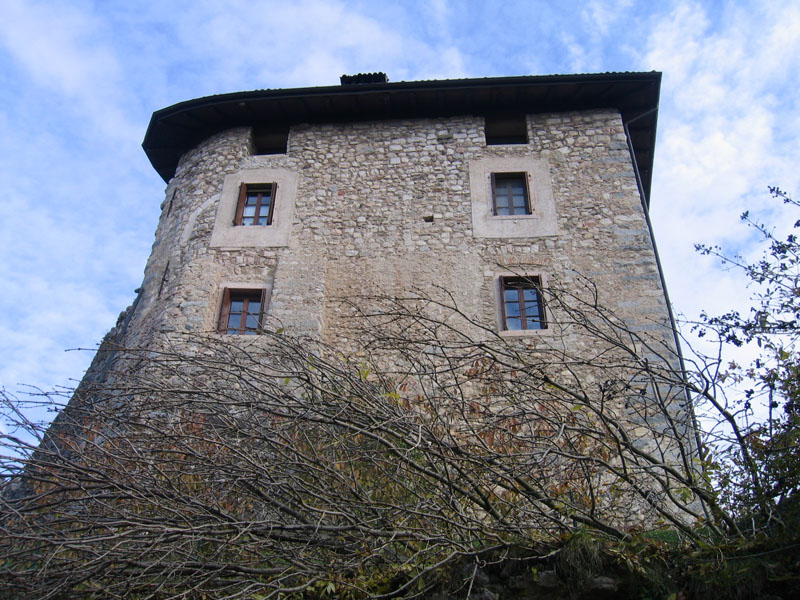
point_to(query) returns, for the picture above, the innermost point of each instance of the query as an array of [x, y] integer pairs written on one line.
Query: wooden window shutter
[[224, 311], [274, 192], [263, 311], [237, 220]]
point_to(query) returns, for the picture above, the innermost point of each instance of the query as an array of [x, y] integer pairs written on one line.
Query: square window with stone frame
[[522, 303], [241, 312], [510, 196], [256, 204]]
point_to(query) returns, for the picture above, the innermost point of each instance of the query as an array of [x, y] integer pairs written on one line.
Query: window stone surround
[[485, 224], [228, 235]]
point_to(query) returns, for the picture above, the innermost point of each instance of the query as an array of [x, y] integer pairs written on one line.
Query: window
[[506, 129], [241, 312], [510, 194], [523, 307], [256, 203]]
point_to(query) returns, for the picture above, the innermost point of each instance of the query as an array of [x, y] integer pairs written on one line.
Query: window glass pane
[[252, 199], [513, 324], [503, 211], [531, 302], [247, 221], [254, 307], [252, 322], [512, 309], [262, 220], [533, 324], [236, 306], [511, 294], [532, 310], [530, 294], [234, 321], [249, 211]]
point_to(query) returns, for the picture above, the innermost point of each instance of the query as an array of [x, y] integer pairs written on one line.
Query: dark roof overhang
[[180, 127]]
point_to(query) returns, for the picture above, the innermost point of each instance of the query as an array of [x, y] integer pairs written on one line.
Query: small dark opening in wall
[[506, 129], [270, 140]]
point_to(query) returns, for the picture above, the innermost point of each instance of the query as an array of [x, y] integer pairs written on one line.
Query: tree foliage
[[769, 412]]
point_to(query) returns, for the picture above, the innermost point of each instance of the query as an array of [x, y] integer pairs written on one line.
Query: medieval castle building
[[235, 417]]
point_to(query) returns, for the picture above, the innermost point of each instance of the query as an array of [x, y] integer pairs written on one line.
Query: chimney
[[361, 78]]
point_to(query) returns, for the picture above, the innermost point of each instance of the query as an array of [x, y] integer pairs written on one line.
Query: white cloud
[[724, 136], [579, 59], [307, 43], [440, 12], [67, 51], [602, 15], [54, 43]]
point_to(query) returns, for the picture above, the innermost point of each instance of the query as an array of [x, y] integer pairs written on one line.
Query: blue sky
[[80, 79]]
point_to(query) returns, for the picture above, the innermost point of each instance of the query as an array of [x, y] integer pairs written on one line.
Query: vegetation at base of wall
[[443, 460], [585, 566]]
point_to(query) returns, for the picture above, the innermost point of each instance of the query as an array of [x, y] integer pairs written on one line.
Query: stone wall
[[382, 207]]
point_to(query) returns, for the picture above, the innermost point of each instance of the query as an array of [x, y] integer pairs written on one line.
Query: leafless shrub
[[266, 466]]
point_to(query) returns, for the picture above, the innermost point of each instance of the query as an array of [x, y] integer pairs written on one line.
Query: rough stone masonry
[[387, 206]]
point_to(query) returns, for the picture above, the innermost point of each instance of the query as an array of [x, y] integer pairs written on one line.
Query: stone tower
[[239, 412], [281, 200]]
